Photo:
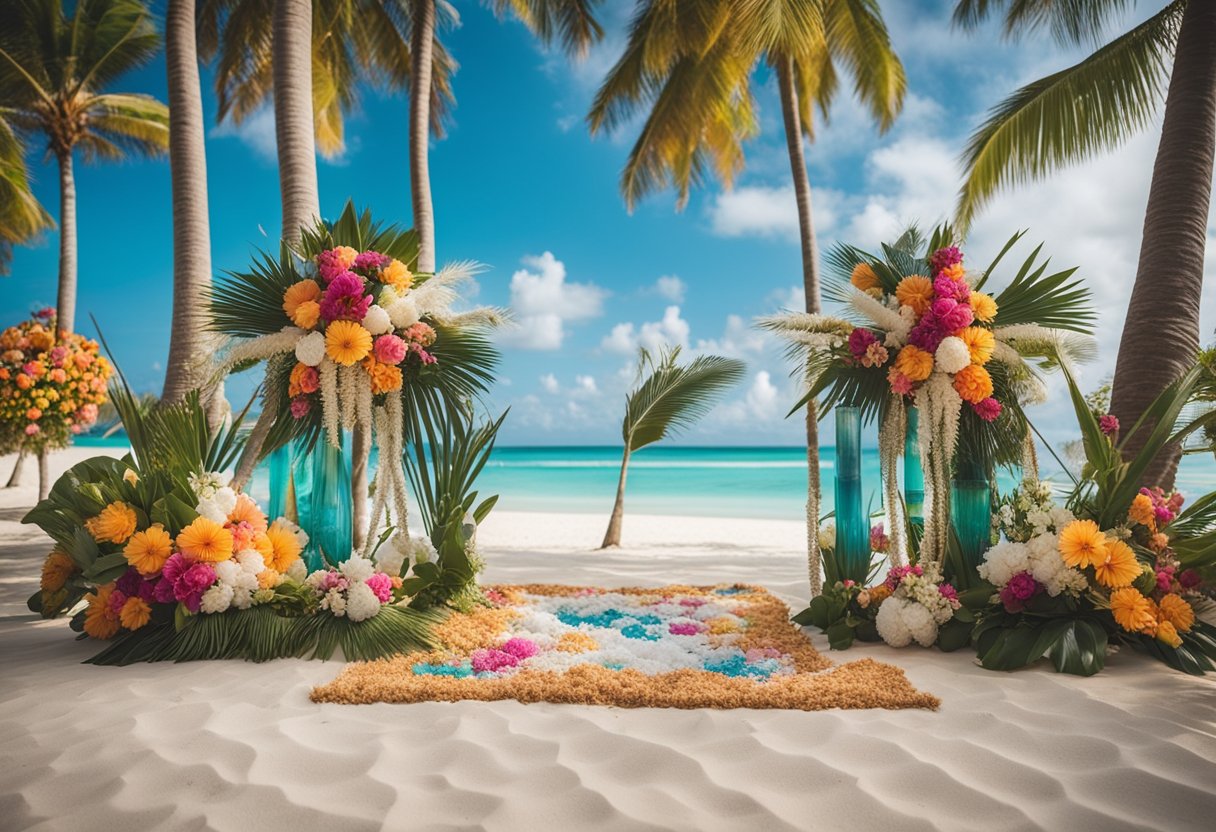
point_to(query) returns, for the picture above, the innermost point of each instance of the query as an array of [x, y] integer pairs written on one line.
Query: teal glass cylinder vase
[[278, 466], [971, 513], [914, 472], [852, 524], [330, 515]]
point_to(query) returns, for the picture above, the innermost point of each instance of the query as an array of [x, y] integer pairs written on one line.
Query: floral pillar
[[852, 525]]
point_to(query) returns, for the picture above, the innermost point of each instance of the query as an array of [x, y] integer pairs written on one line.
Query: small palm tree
[[1096, 105], [54, 62], [22, 216], [668, 397]]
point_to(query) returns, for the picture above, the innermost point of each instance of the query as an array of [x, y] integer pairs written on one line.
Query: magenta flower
[[900, 384], [330, 265], [1165, 578], [683, 628], [162, 591], [988, 409], [1189, 579], [1109, 424], [489, 661], [878, 539], [389, 349], [117, 599], [372, 261], [381, 586], [300, 406], [957, 290], [344, 299], [860, 340], [951, 315], [944, 257], [424, 356], [948, 592], [520, 648], [129, 583]]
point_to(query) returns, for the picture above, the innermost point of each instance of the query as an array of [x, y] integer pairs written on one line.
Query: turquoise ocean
[[696, 481]]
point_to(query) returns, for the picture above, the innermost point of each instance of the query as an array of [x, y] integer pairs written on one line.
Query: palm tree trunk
[[188, 346], [810, 269], [1161, 333], [421, 44], [14, 479], [613, 536], [293, 116], [44, 473], [66, 306]]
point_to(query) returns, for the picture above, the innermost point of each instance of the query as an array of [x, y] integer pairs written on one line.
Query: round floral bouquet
[[50, 388], [919, 603], [845, 611]]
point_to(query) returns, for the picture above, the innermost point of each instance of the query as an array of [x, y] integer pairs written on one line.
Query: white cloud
[[256, 131], [671, 287], [770, 211], [544, 303], [586, 384], [671, 331], [792, 298], [739, 339], [762, 403], [548, 383]]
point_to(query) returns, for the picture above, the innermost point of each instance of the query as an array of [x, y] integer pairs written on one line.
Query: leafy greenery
[[674, 396]]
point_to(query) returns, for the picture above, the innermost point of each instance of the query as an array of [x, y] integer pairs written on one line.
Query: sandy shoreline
[[233, 746]]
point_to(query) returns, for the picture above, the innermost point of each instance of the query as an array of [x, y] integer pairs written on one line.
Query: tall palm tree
[[22, 216], [691, 65], [1093, 106], [53, 68], [667, 398]]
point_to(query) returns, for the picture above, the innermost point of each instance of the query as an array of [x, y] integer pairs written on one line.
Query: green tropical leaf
[[672, 396]]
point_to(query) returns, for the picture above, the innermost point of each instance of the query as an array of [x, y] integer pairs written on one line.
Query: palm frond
[[672, 397], [571, 23], [1049, 300], [857, 36], [1069, 22]]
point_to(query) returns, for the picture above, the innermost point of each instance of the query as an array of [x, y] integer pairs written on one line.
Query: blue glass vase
[[914, 473], [852, 524], [330, 520], [971, 512], [278, 466]]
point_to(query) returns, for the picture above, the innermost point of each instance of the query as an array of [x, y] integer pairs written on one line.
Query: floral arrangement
[[845, 610], [919, 602], [50, 387], [925, 334], [1028, 512]]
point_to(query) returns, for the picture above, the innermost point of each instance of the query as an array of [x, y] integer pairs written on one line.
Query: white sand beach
[[236, 746]]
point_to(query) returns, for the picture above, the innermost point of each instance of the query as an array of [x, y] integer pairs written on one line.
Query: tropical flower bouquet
[[845, 610]]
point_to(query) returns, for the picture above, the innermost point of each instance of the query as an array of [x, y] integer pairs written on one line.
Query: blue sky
[[521, 187]]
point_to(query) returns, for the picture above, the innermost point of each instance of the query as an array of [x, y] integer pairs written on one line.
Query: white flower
[[242, 597], [210, 509], [1003, 561], [952, 355], [890, 623], [251, 561], [361, 602], [390, 560], [403, 313], [388, 296], [226, 572], [827, 536], [335, 601], [298, 571], [216, 599], [310, 349], [357, 569], [376, 321], [205, 485]]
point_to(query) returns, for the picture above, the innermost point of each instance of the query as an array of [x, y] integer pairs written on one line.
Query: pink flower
[[692, 602], [878, 539], [927, 334], [389, 349], [944, 257], [1109, 424], [860, 340], [952, 315], [957, 290], [330, 264], [520, 648], [45, 313], [344, 299], [424, 356], [420, 333], [1189, 579], [117, 599], [875, 356], [32, 430], [58, 355], [898, 573], [988, 409], [381, 586], [489, 661], [372, 261], [900, 383], [948, 592], [300, 406], [1165, 578], [683, 628]]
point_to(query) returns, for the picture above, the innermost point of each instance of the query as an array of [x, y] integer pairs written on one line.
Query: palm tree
[[668, 397], [692, 63], [1095, 105], [22, 216], [53, 66]]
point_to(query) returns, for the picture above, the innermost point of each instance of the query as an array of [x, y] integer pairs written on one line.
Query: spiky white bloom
[[350, 379], [264, 346], [310, 349], [357, 569], [361, 602], [952, 355], [216, 599], [298, 571], [403, 313], [827, 536], [251, 561], [329, 400], [885, 319], [377, 321]]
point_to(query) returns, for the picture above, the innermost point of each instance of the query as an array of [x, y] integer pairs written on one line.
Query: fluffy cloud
[[256, 132], [740, 339], [671, 287], [671, 331], [543, 303], [548, 383]]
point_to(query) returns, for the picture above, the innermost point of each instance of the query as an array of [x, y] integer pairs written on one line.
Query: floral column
[[852, 525]]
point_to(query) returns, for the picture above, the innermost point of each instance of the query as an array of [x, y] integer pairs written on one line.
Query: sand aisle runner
[[725, 646]]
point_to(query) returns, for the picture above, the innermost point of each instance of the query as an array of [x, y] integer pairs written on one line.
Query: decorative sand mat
[[670, 647]]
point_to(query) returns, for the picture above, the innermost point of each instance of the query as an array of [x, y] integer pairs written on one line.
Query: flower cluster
[[1029, 512], [934, 324], [357, 311], [355, 589], [228, 556], [1023, 570], [919, 603], [51, 384]]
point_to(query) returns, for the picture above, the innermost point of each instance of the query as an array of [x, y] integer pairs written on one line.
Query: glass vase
[[971, 512], [278, 466], [914, 473], [330, 515], [852, 525]]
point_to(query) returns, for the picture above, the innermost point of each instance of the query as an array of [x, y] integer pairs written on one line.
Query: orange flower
[[262, 545], [385, 377], [205, 540], [981, 342], [297, 293], [973, 384], [115, 524], [56, 570], [135, 613], [1174, 609], [983, 307], [397, 275], [1167, 634], [1082, 544], [863, 277], [247, 511], [307, 314], [285, 547], [1132, 611], [1141, 511], [148, 550], [100, 621], [303, 379], [269, 579], [345, 255], [954, 271], [915, 291], [1119, 568], [347, 343], [914, 362]]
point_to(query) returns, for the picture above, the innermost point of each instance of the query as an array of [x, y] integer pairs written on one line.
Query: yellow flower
[[1119, 568], [1141, 511], [269, 579], [56, 570], [130, 477], [1167, 633], [1082, 544], [1174, 609], [115, 524], [397, 275], [262, 545], [863, 277], [148, 550], [285, 548], [983, 307], [347, 343], [973, 383], [100, 621], [914, 362], [247, 511], [915, 291], [305, 291], [981, 342], [307, 314], [135, 613], [205, 540], [1132, 611]]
